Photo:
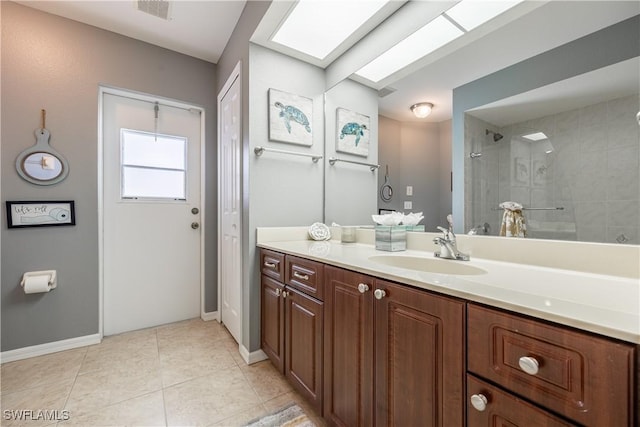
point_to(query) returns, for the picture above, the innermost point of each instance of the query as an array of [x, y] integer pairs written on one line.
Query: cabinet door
[[419, 358], [488, 406], [348, 345], [272, 321], [303, 344]]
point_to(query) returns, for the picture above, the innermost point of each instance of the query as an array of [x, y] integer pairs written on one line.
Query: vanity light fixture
[[421, 109]]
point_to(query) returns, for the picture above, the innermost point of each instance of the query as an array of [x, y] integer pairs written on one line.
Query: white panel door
[[230, 241], [152, 198]]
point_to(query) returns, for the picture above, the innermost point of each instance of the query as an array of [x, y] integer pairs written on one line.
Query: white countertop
[[607, 305]]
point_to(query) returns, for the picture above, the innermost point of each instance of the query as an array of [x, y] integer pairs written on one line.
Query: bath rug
[[290, 415]]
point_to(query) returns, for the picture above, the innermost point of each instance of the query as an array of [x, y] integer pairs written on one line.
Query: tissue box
[[415, 227], [391, 238]]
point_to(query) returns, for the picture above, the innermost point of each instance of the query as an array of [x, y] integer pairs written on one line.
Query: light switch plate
[[408, 204], [409, 190]]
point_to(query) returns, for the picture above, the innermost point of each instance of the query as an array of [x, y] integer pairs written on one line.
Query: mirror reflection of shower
[[497, 136]]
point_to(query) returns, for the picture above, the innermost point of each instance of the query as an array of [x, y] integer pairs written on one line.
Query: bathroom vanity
[[370, 341]]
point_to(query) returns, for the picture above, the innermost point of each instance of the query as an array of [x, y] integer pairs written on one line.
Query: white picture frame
[[290, 118], [353, 132]]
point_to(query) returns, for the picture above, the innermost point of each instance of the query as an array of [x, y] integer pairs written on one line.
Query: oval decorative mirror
[[41, 164]]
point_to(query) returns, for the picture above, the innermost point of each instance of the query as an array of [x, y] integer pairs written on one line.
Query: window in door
[[152, 166]]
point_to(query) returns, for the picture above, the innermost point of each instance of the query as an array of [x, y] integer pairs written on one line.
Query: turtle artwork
[[353, 128], [353, 132], [290, 113], [290, 118]]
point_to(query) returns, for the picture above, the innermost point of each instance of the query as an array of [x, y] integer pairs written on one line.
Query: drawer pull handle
[[363, 288], [278, 292], [529, 365], [479, 402], [379, 294], [270, 264], [300, 276]]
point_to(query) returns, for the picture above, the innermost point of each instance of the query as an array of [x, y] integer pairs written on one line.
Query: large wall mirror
[[568, 152], [579, 180], [471, 153]]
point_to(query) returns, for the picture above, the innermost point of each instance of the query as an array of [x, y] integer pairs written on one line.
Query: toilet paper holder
[[53, 277]]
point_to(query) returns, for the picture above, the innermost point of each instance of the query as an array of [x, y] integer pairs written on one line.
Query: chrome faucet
[[448, 247]]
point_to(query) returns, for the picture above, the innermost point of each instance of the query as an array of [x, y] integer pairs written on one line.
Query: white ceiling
[[196, 28], [546, 27], [202, 29]]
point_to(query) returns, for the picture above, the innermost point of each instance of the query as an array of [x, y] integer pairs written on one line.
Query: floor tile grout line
[[75, 378]]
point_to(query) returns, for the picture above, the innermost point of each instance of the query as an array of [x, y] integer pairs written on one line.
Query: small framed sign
[[40, 213]]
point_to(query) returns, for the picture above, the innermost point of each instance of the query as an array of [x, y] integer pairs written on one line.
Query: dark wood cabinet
[[292, 322], [368, 352], [272, 320], [303, 345], [348, 343], [488, 406], [420, 357], [586, 378], [393, 355]]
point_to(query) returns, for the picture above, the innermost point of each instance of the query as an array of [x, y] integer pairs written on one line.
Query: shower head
[[496, 136]]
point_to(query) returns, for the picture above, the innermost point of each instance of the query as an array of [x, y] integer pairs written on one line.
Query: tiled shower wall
[[593, 173]]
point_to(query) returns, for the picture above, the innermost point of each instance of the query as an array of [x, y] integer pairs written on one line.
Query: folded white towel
[[511, 206]]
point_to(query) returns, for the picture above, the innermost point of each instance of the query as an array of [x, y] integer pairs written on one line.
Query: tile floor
[[182, 374]]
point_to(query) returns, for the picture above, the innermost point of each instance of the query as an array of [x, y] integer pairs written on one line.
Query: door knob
[[195, 211], [195, 225]]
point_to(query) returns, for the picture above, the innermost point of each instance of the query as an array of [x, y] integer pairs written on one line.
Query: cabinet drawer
[[504, 409], [586, 378], [305, 276], [272, 264]]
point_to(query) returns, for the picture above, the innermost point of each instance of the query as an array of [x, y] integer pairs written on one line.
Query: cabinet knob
[[278, 292], [479, 402], [362, 287], [285, 294], [529, 365], [379, 294]]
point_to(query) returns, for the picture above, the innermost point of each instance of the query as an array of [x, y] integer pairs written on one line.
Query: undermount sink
[[430, 265]]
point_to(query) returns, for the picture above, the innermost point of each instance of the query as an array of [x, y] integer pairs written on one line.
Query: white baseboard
[[253, 357], [48, 348], [212, 315]]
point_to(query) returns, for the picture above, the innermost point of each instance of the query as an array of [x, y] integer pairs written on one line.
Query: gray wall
[[350, 190], [284, 190], [418, 154], [56, 64], [605, 47]]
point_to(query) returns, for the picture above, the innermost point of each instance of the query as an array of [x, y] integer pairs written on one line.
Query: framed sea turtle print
[[353, 132], [290, 118]]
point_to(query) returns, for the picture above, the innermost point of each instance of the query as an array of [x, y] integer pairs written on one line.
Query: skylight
[[455, 22], [535, 136], [473, 13], [432, 36], [317, 28]]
